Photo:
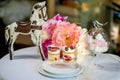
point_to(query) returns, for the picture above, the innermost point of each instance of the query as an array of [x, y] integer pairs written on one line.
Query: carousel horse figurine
[[97, 40], [32, 27]]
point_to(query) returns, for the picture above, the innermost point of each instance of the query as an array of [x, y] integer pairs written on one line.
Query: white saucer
[[61, 74], [60, 67]]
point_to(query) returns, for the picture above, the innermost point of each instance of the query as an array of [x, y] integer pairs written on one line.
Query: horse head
[[38, 15]]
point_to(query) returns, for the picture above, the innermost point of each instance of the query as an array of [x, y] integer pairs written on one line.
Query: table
[[24, 67]]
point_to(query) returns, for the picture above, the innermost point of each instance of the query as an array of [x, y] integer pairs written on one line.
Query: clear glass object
[[98, 43], [69, 54], [53, 53]]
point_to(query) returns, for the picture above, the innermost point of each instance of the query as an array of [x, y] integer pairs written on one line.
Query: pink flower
[[44, 46], [60, 18], [51, 24], [66, 34]]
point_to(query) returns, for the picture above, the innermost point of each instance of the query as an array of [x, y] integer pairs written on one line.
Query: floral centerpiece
[[61, 33]]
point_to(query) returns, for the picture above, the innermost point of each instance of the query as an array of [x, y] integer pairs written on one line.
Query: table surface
[[26, 61]]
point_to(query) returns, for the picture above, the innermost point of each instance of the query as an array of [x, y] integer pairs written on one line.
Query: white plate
[[60, 67], [43, 72]]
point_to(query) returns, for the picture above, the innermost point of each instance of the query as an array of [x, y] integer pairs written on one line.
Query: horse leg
[[9, 41], [35, 37], [40, 49], [11, 48]]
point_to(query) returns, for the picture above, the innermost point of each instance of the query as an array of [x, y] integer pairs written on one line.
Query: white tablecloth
[[26, 61]]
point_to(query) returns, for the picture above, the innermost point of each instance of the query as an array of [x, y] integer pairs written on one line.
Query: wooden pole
[[51, 8]]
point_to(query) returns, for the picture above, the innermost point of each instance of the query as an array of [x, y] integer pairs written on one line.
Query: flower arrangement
[[61, 33], [71, 39]]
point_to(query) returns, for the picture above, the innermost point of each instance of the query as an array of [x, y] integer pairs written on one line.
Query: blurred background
[[82, 12]]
